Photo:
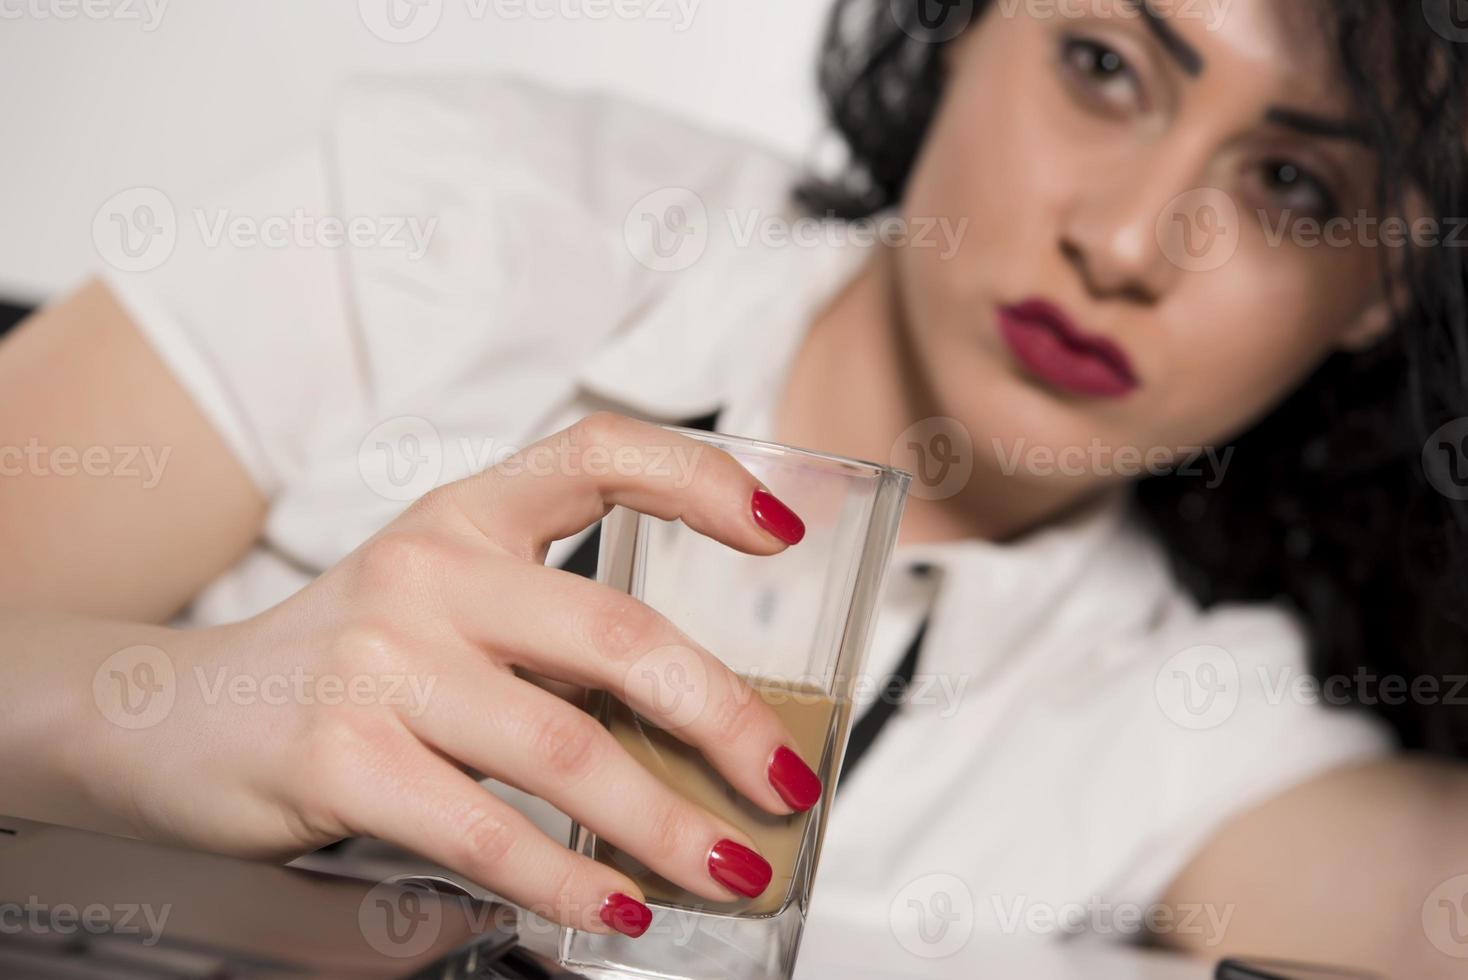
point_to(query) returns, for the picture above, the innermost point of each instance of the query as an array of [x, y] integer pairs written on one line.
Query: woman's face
[[1137, 273]]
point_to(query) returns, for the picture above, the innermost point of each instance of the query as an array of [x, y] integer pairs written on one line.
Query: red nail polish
[[626, 914], [775, 517], [738, 868], [793, 780]]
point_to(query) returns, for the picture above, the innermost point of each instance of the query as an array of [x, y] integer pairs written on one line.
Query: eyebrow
[[1313, 125], [1172, 42]]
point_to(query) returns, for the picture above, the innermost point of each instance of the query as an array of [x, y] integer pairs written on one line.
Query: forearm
[[69, 695], [1341, 870]]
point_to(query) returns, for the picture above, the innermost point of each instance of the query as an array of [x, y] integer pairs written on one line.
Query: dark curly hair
[[1327, 506]]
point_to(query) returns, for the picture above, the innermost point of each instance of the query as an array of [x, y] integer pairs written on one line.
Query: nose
[[1109, 232]]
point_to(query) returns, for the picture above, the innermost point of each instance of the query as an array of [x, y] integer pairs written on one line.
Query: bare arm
[[1339, 870], [110, 721], [117, 498]]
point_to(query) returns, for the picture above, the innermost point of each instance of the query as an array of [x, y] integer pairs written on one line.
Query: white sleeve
[[1241, 722], [249, 311]]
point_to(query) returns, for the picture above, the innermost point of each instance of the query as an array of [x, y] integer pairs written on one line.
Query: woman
[[1061, 278]]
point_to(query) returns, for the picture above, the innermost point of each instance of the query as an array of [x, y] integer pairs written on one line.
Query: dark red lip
[[1056, 351]]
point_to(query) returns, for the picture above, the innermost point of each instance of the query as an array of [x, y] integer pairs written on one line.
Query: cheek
[[1240, 337], [995, 161]]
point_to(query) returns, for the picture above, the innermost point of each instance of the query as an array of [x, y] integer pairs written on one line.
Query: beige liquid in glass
[[806, 713]]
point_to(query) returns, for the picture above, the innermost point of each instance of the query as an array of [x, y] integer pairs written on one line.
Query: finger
[[426, 805], [562, 626], [532, 740], [567, 481]]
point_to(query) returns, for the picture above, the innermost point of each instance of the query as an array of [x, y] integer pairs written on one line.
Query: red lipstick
[[1051, 347]]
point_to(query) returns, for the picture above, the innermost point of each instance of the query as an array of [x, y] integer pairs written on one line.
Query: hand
[[438, 621]]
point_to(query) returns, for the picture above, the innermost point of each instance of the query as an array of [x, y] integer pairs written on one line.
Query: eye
[[1294, 188], [1099, 73]]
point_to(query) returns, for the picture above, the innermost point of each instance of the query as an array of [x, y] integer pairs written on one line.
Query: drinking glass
[[796, 627]]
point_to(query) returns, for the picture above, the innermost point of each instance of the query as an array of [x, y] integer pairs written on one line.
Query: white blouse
[[1078, 727]]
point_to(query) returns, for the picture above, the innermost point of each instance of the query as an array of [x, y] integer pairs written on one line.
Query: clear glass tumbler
[[795, 626]]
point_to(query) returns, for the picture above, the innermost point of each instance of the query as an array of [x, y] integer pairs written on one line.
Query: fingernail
[[775, 517], [626, 914], [793, 780], [738, 868]]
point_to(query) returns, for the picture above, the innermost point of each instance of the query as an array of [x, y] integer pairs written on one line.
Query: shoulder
[[1223, 714]]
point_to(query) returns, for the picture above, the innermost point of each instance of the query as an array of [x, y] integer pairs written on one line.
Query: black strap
[[891, 696]]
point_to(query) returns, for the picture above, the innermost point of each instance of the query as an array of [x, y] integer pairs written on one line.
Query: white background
[[96, 104]]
